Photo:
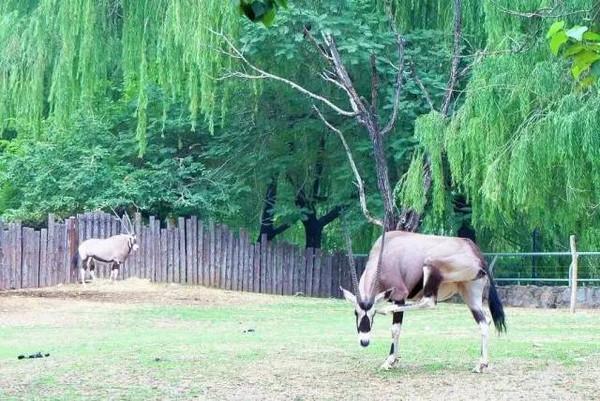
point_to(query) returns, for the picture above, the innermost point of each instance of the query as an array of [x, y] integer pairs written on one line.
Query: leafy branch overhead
[[581, 46]]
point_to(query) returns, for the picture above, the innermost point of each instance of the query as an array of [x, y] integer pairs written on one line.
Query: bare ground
[[285, 372]]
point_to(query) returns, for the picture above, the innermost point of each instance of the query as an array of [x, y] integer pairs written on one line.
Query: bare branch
[[319, 47], [262, 74], [344, 78], [399, 82], [455, 58], [374, 84], [422, 87], [359, 181]]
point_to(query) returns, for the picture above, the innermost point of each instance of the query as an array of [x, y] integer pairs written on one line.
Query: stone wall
[[533, 296]]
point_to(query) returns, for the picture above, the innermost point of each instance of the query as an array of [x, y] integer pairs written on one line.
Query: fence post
[[574, 257], [72, 244]]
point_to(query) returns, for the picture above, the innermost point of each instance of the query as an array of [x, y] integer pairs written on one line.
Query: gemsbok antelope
[[425, 269], [114, 250]]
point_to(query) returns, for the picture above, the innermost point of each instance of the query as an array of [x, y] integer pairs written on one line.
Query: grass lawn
[[139, 341]]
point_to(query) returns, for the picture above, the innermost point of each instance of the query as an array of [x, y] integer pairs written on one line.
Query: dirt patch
[[141, 291]]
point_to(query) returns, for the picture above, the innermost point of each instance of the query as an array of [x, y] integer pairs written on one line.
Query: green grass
[[301, 349]]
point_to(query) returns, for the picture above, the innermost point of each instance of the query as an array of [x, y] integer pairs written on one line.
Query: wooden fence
[[188, 252]]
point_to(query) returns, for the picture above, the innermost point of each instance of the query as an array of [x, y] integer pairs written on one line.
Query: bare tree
[[365, 112]]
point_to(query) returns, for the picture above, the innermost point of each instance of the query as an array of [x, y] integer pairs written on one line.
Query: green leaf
[[577, 32], [554, 28], [591, 36], [572, 49], [269, 17], [281, 3], [557, 41], [585, 58], [578, 69]]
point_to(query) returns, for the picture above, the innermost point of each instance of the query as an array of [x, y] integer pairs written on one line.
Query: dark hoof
[[21, 357]]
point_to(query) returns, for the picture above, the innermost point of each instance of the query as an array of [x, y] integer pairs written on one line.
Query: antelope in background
[[426, 269], [114, 250]]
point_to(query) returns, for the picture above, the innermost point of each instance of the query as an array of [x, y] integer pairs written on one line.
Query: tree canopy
[[134, 102]]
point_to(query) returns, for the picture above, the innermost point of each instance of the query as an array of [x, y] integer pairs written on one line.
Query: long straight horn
[[351, 262], [375, 282], [127, 223]]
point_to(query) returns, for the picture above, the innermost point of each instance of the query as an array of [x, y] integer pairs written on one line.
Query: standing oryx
[[114, 250], [424, 268]]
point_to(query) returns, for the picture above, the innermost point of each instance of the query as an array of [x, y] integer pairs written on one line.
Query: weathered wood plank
[[211, 253], [234, 263], [181, 250], [176, 254], [325, 286], [36, 259], [309, 270], [316, 282], [72, 244], [163, 255], [169, 278], [51, 251], [285, 274], [201, 244], [189, 272], [279, 271], [26, 262], [263, 264], [137, 230], [243, 261], [257, 276], [246, 257], [151, 251]]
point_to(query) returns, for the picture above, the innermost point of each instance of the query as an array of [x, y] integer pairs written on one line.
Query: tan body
[[423, 268], [114, 250], [404, 256]]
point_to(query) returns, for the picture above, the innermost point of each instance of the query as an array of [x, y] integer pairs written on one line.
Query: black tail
[[74, 260], [496, 308]]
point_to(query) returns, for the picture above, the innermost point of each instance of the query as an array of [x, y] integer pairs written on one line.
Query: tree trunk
[[267, 224]]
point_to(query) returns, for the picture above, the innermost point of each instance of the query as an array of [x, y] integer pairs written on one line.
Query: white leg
[[472, 293], [392, 358], [114, 273], [93, 274], [483, 359], [82, 275]]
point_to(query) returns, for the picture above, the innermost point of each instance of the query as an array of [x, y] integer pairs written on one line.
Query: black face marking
[[365, 325], [392, 349], [365, 305], [478, 316]]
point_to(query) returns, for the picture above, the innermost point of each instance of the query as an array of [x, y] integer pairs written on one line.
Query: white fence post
[[573, 271]]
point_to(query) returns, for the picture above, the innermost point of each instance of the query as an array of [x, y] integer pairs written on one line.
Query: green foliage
[[94, 165], [580, 46], [60, 57]]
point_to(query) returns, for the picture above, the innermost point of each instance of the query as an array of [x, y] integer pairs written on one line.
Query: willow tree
[[524, 146], [60, 56]]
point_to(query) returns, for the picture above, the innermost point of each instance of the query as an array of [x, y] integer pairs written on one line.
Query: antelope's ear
[[349, 296], [383, 295]]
